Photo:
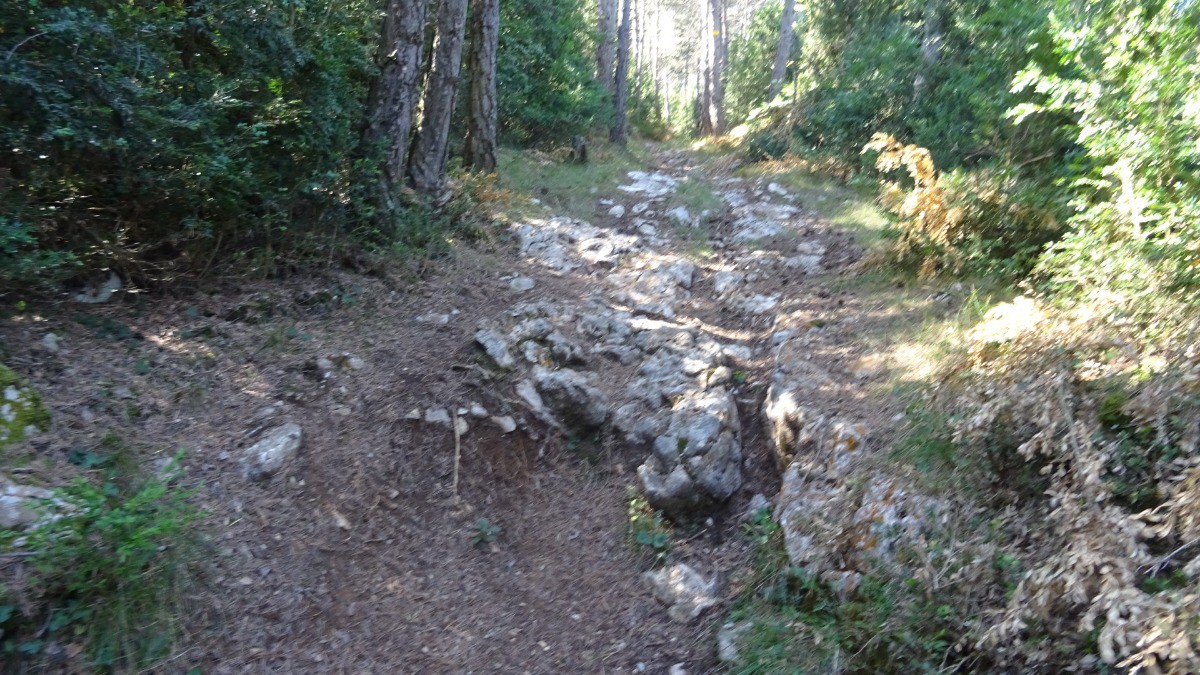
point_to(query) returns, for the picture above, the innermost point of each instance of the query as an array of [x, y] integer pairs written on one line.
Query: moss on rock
[[22, 413]]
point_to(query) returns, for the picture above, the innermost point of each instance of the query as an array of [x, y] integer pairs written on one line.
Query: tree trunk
[[428, 164], [712, 112], [480, 151], [606, 48], [619, 133], [784, 50], [397, 90], [931, 47]]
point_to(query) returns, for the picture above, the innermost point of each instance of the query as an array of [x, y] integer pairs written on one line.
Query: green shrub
[[155, 136], [546, 89], [104, 569]]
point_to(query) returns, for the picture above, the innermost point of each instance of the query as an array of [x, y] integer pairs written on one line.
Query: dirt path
[[361, 555]]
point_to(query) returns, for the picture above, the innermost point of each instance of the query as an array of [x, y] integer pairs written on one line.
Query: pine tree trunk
[[712, 101], [784, 50], [931, 47], [397, 91], [428, 164], [606, 48], [480, 150], [619, 133]]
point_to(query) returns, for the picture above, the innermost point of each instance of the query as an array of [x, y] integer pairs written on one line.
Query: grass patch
[[563, 188], [798, 624], [849, 206]]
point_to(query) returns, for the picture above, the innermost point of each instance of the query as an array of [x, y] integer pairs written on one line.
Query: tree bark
[[784, 50], [619, 133], [712, 112], [931, 47], [480, 150], [397, 90], [606, 48], [428, 163]]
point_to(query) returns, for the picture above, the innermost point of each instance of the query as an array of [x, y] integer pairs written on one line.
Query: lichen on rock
[[22, 413]]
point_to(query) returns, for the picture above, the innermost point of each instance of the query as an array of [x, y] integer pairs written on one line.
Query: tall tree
[[784, 50], [396, 91], [712, 103], [480, 150], [931, 46], [606, 46], [619, 133], [428, 163]]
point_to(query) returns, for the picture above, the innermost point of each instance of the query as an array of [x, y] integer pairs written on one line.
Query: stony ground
[[533, 386]]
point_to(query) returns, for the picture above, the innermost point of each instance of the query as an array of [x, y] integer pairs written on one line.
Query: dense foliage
[[165, 135], [751, 54], [545, 73]]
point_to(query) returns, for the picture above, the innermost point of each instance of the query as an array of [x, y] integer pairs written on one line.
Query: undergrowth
[[795, 622], [100, 577]]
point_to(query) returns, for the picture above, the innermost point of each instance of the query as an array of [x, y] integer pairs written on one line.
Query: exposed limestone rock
[[270, 454], [507, 424], [727, 642], [650, 184], [680, 215], [18, 504], [571, 397], [681, 588], [797, 431], [521, 284], [496, 347], [698, 461], [564, 244]]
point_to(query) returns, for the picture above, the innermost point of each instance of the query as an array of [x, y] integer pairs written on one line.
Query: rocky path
[[438, 479]]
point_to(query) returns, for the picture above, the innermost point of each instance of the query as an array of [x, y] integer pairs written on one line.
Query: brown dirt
[[358, 558]]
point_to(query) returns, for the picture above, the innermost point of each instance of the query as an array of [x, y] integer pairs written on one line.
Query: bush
[[963, 222], [104, 568], [154, 136], [544, 73]]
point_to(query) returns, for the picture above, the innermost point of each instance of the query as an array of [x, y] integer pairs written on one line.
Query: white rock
[[18, 502], [101, 293], [477, 411], [356, 363], [757, 503], [434, 318], [506, 423], [461, 427], [727, 637], [496, 347], [681, 588], [776, 188], [617, 211], [522, 284], [808, 263], [438, 416], [52, 343], [677, 669], [414, 414], [266, 457], [572, 397], [680, 215]]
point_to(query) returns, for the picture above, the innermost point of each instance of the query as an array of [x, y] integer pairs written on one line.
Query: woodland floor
[[358, 557]]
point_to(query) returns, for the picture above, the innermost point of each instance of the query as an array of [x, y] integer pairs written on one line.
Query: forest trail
[[367, 553]]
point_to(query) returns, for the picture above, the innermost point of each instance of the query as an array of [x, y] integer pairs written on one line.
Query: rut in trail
[[651, 350]]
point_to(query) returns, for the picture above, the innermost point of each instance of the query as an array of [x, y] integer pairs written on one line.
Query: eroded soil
[[359, 556]]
